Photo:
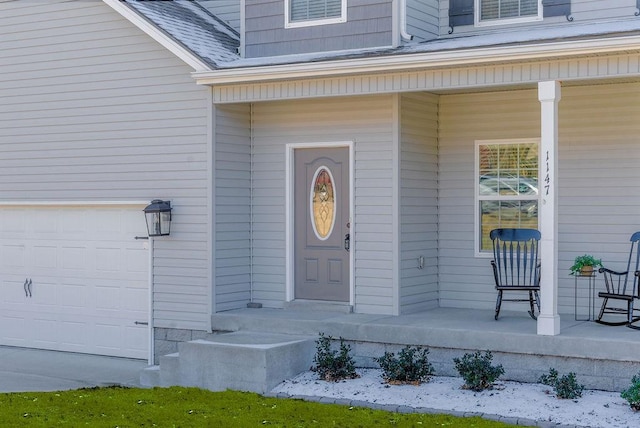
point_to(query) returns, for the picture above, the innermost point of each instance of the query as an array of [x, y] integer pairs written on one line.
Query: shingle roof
[[216, 43], [194, 27]]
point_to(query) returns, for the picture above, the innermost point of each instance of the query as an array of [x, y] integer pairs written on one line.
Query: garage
[[75, 278]]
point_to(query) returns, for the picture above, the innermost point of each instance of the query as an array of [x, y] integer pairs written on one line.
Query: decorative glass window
[[507, 11], [506, 187], [323, 203], [301, 13]]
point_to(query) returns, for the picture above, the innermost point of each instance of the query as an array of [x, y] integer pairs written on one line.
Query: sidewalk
[[24, 369]]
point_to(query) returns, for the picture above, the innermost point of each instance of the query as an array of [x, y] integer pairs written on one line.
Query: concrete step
[[243, 360], [170, 369], [150, 376]]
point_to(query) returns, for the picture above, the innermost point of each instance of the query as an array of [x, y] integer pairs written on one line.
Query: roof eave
[[423, 60]]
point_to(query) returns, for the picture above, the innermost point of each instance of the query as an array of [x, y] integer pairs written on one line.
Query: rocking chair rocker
[[516, 266], [622, 286]]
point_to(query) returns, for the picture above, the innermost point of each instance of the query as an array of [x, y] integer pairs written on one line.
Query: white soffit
[[420, 61]]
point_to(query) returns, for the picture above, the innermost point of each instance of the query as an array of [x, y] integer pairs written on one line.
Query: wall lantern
[[158, 216]]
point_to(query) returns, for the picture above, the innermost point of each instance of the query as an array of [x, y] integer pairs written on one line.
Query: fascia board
[[158, 35], [418, 61]]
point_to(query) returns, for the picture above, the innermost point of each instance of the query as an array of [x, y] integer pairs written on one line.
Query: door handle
[[27, 287], [347, 242]]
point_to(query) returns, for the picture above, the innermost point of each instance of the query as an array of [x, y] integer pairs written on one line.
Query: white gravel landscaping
[[509, 401]]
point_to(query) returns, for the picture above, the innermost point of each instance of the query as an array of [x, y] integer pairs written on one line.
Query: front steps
[[243, 360]]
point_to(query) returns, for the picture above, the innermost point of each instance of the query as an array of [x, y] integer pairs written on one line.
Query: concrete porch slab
[[603, 357]]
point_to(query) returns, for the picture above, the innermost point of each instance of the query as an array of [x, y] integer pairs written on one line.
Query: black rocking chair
[[622, 287], [516, 266]]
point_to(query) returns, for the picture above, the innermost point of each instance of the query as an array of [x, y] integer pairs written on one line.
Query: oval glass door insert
[[323, 203]]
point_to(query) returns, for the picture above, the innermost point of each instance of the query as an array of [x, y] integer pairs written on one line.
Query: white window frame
[[477, 242], [311, 22], [492, 22]]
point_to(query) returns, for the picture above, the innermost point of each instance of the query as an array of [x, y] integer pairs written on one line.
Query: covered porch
[[602, 357]]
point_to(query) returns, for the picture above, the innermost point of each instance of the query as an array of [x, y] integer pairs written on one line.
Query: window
[[301, 13], [506, 187], [507, 11]]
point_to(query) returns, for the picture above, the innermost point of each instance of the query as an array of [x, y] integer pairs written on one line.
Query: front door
[[322, 240]]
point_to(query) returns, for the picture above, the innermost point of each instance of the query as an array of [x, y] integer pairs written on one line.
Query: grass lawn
[[193, 407]]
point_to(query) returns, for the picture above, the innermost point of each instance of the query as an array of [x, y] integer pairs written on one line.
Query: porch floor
[[609, 356]]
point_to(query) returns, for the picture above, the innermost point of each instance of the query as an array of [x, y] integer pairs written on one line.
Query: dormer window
[[303, 13], [492, 12]]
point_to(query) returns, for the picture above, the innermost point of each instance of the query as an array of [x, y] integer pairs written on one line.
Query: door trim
[[289, 214]]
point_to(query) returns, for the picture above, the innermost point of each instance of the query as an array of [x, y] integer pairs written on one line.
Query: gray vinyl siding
[[368, 122], [418, 202], [227, 10], [582, 11], [369, 24], [232, 201], [599, 195], [91, 109], [423, 19]]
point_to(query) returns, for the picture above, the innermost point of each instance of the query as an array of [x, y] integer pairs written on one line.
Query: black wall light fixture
[[158, 216]]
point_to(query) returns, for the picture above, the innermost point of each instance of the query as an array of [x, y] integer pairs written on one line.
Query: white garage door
[[74, 279]]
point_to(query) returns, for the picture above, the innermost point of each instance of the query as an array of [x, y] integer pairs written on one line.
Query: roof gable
[[186, 28]]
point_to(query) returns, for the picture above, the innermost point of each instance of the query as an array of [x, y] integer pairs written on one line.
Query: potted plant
[[584, 265]]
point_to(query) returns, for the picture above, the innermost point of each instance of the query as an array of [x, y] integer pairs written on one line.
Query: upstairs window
[[302, 13], [490, 12]]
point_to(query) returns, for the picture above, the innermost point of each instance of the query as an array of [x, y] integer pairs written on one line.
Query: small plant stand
[[590, 280]]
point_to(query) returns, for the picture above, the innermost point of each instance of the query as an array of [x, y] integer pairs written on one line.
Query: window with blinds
[[492, 10], [315, 12]]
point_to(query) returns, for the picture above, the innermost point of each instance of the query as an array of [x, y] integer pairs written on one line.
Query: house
[[329, 158]]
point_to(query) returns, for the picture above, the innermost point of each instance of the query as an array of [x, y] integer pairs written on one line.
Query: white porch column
[[549, 96]]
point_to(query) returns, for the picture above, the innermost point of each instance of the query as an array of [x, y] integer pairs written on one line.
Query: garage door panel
[[45, 257], [89, 280], [13, 223], [136, 260], [11, 328], [45, 331], [72, 297], [134, 299], [13, 293], [13, 258], [73, 258], [108, 259], [43, 295]]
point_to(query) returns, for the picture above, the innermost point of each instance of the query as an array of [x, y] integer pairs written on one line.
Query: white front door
[[74, 279]]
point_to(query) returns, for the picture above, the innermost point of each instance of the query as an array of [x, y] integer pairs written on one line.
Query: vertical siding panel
[[367, 121], [232, 206], [418, 202], [93, 109]]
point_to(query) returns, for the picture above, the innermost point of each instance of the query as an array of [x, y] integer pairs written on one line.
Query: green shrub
[[565, 386], [332, 365], [411, 366], [632, 394], [477, 371]]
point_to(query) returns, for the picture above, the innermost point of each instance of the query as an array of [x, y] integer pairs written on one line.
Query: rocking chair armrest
[[496, 277], [612, 272]]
